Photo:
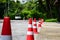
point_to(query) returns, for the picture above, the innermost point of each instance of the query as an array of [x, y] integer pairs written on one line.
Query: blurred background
[[49, 10]]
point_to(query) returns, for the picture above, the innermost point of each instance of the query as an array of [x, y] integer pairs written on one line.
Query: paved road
[[19, 29], [50, 31]]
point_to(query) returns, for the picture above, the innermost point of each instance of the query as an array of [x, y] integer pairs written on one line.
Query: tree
[[2, 7], [49, 12], [57, 3]]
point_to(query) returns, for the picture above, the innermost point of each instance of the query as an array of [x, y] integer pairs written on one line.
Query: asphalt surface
[[19, 29], [49, 31]]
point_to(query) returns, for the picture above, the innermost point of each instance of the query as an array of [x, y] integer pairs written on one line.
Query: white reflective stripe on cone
[[39, 23], [29, 33], [6, 37], [39, 20], [34, 27], [34, 22], [29, 25], [42, 24]]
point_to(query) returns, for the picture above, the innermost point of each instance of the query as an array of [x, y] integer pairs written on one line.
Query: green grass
[[51, 20]]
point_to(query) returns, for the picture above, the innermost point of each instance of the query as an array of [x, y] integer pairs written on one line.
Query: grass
[[51, 20]]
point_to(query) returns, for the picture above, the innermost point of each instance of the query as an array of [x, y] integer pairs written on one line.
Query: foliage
[[34, 9], [51, 20], [25, 14]]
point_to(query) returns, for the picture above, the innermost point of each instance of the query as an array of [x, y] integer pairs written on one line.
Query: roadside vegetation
[[45, 9]]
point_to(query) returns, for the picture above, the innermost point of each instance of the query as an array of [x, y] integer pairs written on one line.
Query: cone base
[[6, 37], [30, 37]]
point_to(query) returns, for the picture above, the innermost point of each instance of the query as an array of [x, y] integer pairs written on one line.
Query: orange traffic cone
[[42, 22], [39, 26], [39, 19], [30, 35], [6, 30], [35, 26]]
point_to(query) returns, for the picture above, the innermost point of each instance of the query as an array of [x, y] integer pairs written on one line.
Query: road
[[49, 31]]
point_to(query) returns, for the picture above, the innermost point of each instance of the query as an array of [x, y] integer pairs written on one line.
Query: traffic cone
[[30, 35], [42, 22], [39, 26], [35, 26], [6, 30], [39, 19]]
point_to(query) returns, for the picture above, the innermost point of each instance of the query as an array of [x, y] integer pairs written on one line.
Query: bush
[[25, 14], [51, 20], [11, 15]]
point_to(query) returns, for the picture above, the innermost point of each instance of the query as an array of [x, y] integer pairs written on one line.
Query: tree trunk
[[48, 8], [41, 6], [2, 10], [58, 14], [57, 3]]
